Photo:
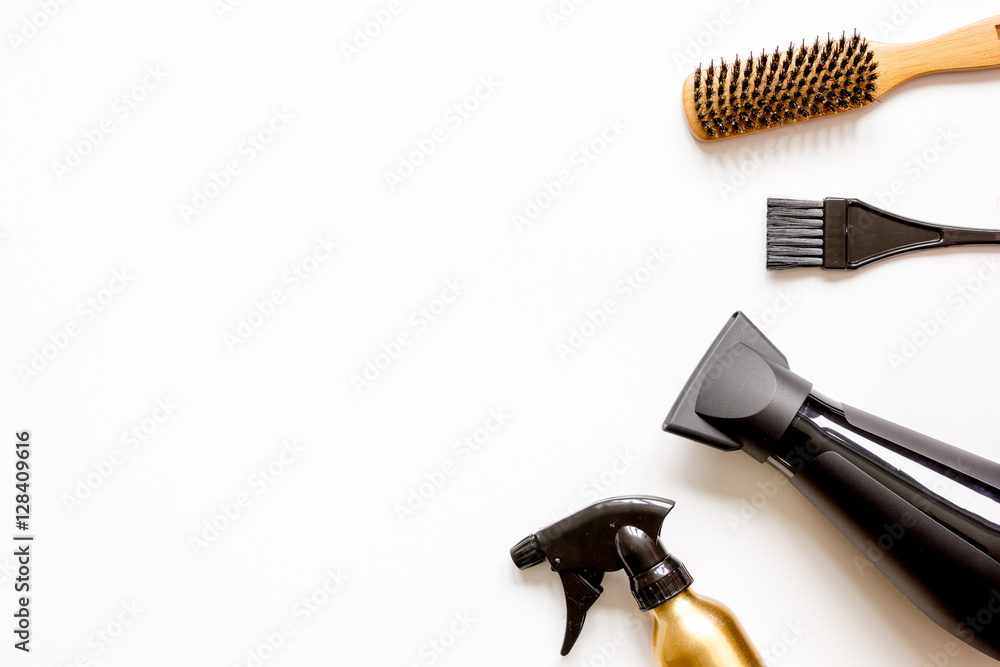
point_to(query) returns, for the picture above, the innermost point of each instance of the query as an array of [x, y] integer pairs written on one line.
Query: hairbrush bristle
[[785, 86], [794, 233]]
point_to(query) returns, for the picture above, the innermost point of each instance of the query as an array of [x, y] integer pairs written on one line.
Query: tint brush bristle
[[785, 86], [794, 233]]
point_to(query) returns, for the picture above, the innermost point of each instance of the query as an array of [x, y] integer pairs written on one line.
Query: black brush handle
[[857, 234], [952, 236], [950, 580]]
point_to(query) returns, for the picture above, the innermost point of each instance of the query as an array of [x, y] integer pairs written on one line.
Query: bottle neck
[[668, 579], [686, 599]]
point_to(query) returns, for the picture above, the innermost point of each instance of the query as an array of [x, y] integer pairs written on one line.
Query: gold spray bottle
[[688, 630]]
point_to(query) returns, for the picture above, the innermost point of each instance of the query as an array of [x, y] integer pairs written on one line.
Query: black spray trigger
[[610, 535], [582, 588]]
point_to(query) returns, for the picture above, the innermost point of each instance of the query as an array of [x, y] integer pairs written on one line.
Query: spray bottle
[[688, 630]]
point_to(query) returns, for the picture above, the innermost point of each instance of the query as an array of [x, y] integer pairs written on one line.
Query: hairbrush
[[823, 78]]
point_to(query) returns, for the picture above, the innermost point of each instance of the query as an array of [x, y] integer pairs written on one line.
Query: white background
[[335, 506]]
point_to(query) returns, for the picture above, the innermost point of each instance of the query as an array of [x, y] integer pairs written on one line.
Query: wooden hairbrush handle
[[975, 46]]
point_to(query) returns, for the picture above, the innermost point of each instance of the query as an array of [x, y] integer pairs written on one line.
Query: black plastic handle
[[953, 487], [949, 579]]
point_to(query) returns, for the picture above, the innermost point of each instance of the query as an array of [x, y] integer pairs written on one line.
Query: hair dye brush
[[823, 78], [848, 234], [926, 514]]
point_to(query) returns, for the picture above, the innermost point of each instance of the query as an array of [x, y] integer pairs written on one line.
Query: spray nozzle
[[607, 536]]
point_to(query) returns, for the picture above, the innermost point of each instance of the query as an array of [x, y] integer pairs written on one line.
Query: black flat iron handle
[[952, 581]]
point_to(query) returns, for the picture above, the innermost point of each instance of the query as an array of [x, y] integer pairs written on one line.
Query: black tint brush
[[848, 234]]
